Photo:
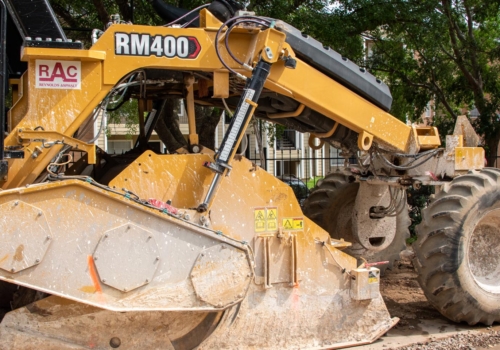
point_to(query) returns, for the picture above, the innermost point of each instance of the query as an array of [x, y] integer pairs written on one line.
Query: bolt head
[[115, 342]]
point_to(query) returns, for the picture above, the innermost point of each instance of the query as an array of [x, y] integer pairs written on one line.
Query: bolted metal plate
[[24, 236], [126, 257], [221, 275]]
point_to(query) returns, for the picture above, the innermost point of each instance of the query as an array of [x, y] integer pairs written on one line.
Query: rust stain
[[18, 256], [4, 258], [88, 289]]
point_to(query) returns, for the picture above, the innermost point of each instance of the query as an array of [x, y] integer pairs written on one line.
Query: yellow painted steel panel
[[469, 158]]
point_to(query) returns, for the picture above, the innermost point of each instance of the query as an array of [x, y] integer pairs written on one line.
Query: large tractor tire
[[458, 249], [331, 205]]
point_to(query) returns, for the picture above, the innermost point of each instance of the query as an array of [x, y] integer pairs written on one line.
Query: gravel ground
[[405, 299], [469, 341]]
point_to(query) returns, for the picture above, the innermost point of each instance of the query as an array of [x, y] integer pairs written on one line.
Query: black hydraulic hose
[[3, 76]]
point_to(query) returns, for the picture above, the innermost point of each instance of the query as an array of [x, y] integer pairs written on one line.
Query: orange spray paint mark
[[93, 274]]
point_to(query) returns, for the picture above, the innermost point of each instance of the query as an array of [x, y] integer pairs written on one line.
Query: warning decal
[[288, 224], [372, 278], [260, 219], [266, 219], [293, 223], [272, 219]]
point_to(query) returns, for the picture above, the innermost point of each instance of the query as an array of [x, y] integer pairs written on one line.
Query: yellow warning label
[[260, 219], [372, 278], [298, 223], [272, 219], [293, 223], [288, 224]]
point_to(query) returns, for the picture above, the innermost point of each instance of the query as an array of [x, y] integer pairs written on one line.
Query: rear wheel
[[458, 249], [331, 205]]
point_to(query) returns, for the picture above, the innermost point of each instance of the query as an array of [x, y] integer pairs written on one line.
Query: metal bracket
[[51, 136], [266, 241], [293, 260]]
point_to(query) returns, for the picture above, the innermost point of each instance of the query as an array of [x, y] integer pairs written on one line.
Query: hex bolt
[[95, 257], [124, 289], [40, 213], [16, 203], [37, 261], [106, 235], [157, 259], [12, 270], [115, 342], [147, 280], [48, 238], [103, 280]]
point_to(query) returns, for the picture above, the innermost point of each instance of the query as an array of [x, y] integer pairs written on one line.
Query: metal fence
[[300, 168]]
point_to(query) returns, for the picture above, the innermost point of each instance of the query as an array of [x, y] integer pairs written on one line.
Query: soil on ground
[[405, 299]]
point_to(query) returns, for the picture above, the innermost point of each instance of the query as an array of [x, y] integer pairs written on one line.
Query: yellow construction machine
[[204, 249]]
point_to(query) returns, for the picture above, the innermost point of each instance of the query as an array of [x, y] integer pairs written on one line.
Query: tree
[[446, 51]]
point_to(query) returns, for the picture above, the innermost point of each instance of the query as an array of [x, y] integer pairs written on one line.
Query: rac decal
[[134, 44], [55, 74]]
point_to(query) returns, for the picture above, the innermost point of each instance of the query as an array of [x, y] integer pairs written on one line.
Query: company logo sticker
[[134, 44], [63, 75]]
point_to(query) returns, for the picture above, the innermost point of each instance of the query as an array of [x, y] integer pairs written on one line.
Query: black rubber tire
[[458, 247], [330, 206]]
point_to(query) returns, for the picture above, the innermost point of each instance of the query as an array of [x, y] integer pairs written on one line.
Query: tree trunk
[[492, 149], [101, 12]]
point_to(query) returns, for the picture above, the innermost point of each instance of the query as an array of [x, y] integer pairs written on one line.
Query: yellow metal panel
[[427, 137], [469, 158], [221, 85], [61, 54], [62, 111], [330, 98]]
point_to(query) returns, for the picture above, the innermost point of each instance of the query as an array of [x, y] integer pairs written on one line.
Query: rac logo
[[134, 44], [62, 75]]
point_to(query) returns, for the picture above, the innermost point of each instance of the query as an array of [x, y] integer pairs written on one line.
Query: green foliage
[[433, 50], [311, 183], [418, 199], [127, 114]]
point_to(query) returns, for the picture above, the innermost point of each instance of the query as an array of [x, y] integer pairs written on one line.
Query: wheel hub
[[484, 252]]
